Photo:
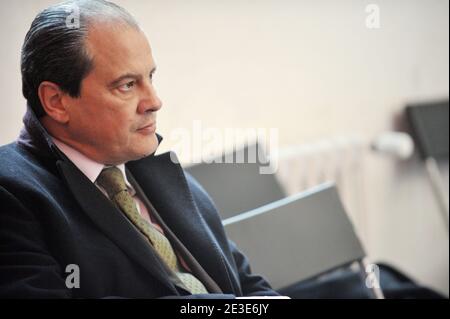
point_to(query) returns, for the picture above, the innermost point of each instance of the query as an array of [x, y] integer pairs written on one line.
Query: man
[[87, 209]]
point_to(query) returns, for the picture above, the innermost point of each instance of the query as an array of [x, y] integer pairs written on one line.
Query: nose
[[149, 102]]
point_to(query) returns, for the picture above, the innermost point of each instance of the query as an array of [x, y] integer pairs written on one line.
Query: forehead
[[117, 48]]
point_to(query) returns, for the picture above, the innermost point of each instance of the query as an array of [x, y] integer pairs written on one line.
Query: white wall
[[311, 69]]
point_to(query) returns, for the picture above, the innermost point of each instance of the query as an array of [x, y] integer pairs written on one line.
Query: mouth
[[148, 128]]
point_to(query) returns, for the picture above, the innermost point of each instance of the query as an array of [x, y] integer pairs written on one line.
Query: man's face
[[114, 120]]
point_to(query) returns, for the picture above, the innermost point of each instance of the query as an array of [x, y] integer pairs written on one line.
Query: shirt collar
[[90, 168]]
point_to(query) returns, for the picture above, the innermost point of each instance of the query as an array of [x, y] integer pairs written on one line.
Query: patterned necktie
[[112, 181]]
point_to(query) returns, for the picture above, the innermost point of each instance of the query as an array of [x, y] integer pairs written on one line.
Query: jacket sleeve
[[251, 284], [27, 269]]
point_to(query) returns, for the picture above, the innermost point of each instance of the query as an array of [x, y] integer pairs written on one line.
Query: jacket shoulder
[[11, 158], [22, 171]]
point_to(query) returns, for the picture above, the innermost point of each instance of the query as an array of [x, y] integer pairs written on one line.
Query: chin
[[147, 148]]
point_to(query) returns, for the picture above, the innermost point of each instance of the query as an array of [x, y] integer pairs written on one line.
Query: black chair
[[429, 123]]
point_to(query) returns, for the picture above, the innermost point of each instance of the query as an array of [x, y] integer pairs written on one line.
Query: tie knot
[[112, 181]]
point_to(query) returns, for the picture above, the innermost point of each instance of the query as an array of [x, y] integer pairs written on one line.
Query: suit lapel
[[166, 187], [196, 269], [112, 222]]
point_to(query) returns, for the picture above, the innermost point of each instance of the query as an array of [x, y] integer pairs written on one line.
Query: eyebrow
[[133, 76]]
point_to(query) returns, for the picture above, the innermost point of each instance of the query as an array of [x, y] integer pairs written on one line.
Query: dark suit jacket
[[52, 216]]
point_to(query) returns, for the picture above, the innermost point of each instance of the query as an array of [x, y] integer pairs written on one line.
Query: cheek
[[112, 119], [122, 127], [114, 128]]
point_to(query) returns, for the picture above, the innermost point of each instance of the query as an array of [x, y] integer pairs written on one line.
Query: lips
[[148, 126], [147, 129]]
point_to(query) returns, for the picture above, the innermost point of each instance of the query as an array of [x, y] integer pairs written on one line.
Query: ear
[[53, 101]]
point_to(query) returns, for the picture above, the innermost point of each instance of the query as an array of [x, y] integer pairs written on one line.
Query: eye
[[127, 87], [152, 73]]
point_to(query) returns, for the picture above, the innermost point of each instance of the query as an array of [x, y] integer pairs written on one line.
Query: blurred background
[[315, 70]]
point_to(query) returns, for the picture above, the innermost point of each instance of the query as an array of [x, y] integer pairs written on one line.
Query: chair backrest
[[298, 237], [238, 187], [429, 124]]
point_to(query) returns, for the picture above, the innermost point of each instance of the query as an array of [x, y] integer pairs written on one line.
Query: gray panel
[[430, 125], [298, 237], [237, 187]]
